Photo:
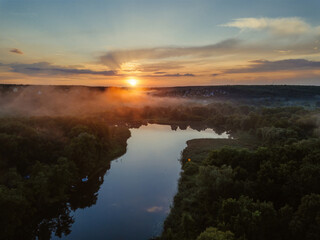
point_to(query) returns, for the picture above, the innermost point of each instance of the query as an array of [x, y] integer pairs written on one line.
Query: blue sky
[[159, 42]]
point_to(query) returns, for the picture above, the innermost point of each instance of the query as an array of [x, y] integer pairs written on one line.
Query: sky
[[159, 43]]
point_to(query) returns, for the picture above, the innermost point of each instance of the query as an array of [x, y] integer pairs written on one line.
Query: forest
[[267, 190]]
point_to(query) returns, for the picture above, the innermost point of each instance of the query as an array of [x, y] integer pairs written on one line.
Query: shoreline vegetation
[[263, 187], [44, 162]]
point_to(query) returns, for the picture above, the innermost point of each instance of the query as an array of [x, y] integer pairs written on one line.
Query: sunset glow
[[196, 43], [132, 82]]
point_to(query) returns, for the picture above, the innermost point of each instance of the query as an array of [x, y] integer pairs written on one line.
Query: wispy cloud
[[114, 59], [163, 59], [278, 26], [274, 66], [49, 69], [179, 75], [161, 66], [215, 74], [162, 74], [16, 50]]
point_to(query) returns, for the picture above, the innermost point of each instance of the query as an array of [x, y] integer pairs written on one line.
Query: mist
[[75, 101]]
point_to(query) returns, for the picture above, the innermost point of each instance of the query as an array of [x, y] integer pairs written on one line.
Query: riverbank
[[232, 189], [50, 166]]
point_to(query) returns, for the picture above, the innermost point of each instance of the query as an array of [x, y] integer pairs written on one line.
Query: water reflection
[[136, 193], [86, 194]]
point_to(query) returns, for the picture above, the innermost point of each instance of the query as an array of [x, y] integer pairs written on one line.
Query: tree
[[83, 150], [214, 234], [306, 222]]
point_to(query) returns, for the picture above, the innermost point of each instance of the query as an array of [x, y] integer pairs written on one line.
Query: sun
[[132, 82]]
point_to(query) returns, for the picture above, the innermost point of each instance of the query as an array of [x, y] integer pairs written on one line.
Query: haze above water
[[137, 191]]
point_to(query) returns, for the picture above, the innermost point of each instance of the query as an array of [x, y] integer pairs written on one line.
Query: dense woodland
[[267, 191]]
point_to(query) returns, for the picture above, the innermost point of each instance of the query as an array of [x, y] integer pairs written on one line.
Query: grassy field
[[198, 149]]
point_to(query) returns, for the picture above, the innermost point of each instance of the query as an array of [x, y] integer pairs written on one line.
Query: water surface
[[137, 191]]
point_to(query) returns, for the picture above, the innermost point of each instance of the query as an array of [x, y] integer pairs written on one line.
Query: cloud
[[278, 26], [49, 69], [16, 50], [169, 75], [179, 75], [273, 66], [215, 74], [161, 59], [114, 59], [161, 66]]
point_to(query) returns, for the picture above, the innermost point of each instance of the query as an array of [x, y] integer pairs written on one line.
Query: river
[[137, 191]]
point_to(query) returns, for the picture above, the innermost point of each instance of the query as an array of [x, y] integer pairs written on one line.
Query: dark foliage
[[42, 163], [271, 192]]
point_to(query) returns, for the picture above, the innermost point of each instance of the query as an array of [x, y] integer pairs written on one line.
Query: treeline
[[270, 192], [269, 124], [42, 164], [250, 94]]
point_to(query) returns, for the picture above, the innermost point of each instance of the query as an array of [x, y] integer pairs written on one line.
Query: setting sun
[[132, 82]]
